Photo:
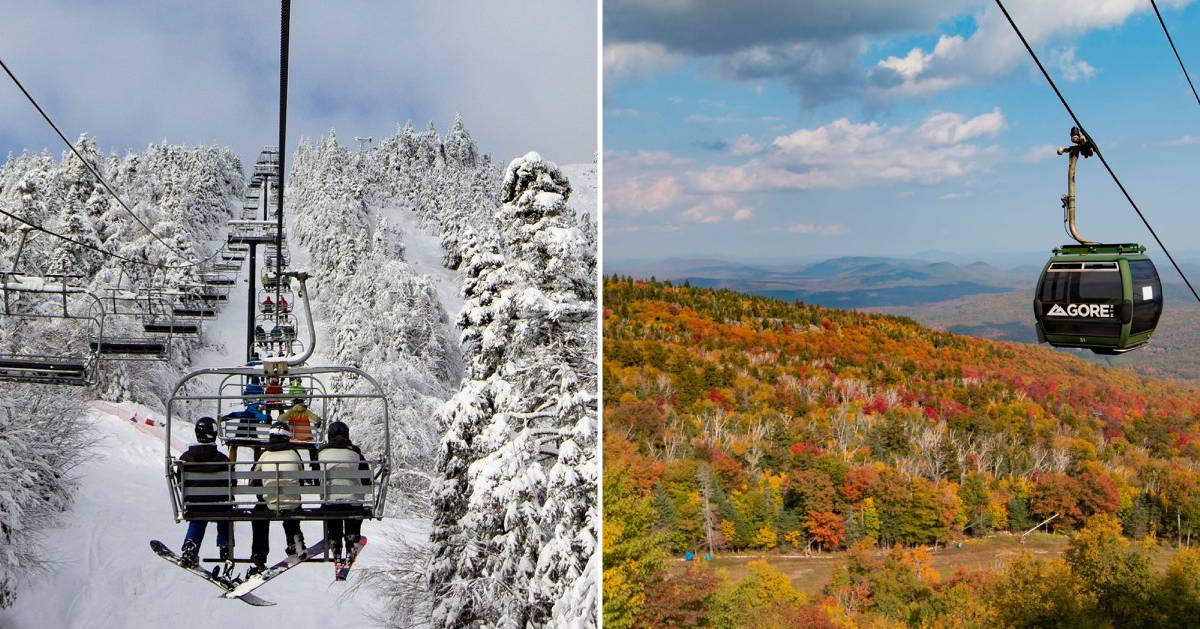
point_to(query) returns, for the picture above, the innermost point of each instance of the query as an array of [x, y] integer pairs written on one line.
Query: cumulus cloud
[[816, 48], [640, 193], [952, 128], [992, 50], [638, 60], [714, 27], [843, 154], [642, 181], [817, 72], [812, 47], [716, 209], [745, 145], [1072, 69]]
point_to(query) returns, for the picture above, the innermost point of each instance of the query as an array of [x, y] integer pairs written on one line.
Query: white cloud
[[951, 128], [993, 50], [843, 154], [1073, 69], [701, 214], [745, 145], [716, 209], [956, 196], [638, 60], [640, 193]]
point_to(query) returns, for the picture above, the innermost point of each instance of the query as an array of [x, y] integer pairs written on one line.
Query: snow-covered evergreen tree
[[459, 147], [529, 524], [42, 438]]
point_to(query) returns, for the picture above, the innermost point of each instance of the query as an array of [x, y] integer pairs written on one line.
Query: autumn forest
[[740, 425]]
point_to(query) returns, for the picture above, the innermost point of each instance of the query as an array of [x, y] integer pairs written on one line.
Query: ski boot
[[352, 546], [297, 548], [258, 563], [227, 564], [189, 555]]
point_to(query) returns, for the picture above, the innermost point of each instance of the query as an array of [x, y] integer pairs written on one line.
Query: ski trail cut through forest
[[424, 252], [101, 572]]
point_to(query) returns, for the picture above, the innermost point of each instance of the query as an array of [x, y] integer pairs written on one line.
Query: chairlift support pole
[[285, 19]]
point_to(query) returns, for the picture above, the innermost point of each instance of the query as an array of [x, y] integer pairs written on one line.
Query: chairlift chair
[[70, 303], [317, 498], [238, 500]]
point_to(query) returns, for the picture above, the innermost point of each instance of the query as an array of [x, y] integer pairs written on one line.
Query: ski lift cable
[[1175, 50], [1096, 148], [93, 247], [88, 165], [155, 265]]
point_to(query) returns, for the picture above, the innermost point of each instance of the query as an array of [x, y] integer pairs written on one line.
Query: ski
[[244, 588], [166, 553], [342, 568]]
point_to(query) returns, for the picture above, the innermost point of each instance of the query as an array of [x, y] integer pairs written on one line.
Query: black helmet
[[338, 430], [298, 402], [280, 432], [206, 430]]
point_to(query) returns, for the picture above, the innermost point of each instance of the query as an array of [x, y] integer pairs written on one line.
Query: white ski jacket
[[288, 460]]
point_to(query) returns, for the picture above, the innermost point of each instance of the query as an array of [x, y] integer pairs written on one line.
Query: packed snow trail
[[424, 252], [101, 572]]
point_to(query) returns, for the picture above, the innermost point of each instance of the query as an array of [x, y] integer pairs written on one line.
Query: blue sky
[[130, 72], [776, 130]]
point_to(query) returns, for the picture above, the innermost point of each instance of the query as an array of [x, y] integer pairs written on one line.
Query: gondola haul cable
[[1175, 50]]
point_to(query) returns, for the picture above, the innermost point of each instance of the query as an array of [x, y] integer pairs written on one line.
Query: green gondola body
[[1102, 297]]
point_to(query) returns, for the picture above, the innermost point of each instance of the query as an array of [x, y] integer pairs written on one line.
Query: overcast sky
[[521, 72], [816, 128]]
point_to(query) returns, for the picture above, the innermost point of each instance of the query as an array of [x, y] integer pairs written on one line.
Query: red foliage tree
[[827, 529], [1056, 493], [679, 600]]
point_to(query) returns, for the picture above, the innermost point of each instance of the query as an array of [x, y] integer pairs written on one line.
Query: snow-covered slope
[[103, 573], [423, 251]]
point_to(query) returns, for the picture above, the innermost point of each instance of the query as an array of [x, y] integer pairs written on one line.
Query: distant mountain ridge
[[845, 282]]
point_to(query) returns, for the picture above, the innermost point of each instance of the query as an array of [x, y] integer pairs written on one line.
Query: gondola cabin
[[1106, 298]]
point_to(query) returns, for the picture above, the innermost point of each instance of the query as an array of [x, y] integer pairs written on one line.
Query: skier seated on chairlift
[[301, 420], [296, 388], [277, 455], [344, 455], [247, 421], [204, 457], [283, 305], [254, 388], [268, 304]]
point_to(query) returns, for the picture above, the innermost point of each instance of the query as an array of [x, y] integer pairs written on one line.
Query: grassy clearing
[[810, 574]]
